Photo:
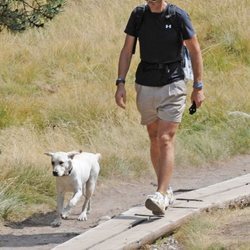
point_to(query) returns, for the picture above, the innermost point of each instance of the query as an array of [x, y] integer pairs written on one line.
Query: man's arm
[[193, 46], [123, 67]]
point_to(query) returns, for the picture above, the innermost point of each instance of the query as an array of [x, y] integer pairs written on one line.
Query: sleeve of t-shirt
[[131, 27], [187, 27]]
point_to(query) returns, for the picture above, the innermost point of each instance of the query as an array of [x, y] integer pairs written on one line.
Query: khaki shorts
[[166, 103]]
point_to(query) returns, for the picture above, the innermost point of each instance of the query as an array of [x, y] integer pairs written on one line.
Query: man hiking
[[161, 29]]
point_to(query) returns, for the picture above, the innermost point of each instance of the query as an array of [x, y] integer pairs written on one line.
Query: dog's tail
[[98, 156]]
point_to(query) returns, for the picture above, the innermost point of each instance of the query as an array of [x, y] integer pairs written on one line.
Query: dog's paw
[[82, 217], [65, 215], [56, 223]]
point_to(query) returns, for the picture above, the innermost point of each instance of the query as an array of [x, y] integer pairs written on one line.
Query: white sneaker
[[170, 196], [159, 202], [156, 203]]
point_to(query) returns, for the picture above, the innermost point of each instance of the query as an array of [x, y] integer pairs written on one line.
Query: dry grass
[[226, 229], [57, 92]]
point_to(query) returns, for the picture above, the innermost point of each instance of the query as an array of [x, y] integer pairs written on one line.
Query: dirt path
[[111, 198]]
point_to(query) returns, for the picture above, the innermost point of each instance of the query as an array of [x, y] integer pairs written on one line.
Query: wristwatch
[[198, 85], [119, 80]]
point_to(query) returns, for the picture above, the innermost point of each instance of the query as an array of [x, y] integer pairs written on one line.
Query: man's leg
[[154, 145], [162, 139]]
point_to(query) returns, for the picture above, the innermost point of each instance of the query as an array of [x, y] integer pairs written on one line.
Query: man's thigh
[[160, 128]]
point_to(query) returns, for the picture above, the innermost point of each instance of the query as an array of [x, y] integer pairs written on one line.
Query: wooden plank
[[217, 188], [98, 234], [106, 230], [119, 233], [150, 229], [149, 232]]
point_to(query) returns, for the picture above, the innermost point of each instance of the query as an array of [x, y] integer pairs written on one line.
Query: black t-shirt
[[160, 42]]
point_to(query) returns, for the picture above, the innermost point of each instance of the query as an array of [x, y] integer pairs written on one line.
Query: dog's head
[[62, 162]]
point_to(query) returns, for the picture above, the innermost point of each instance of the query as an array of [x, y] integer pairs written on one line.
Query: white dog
[[76, 172]]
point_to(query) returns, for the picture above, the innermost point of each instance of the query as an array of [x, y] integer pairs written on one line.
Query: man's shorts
[[166, 103]]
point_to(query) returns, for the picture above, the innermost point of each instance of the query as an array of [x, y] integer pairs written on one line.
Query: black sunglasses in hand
[[192, 109]]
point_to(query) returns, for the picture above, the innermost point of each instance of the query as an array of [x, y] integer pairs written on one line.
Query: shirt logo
[[168, 26]]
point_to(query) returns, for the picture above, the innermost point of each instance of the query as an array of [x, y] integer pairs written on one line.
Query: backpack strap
[[170, 11], [172, 16], [139, 10]]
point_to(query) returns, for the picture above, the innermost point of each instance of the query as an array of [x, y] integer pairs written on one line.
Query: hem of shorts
[[147, 123], [158, 118], [171, 120]]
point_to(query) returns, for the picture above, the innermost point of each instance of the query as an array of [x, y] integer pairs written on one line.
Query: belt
[[155, 66]]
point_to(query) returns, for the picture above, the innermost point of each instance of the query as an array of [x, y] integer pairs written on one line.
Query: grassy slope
[[225, 229], [57, 89]]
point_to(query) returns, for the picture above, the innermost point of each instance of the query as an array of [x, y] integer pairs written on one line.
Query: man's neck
[[157, 7]]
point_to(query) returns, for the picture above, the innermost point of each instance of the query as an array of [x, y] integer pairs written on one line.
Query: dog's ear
[[72, 154], [49, 154]]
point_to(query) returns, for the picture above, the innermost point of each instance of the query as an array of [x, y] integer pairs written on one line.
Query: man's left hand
[[198, 97]]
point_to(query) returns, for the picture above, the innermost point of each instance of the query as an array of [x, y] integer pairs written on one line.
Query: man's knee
[[167, 139]]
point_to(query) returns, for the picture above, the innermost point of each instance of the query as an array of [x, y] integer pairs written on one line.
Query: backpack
[[170, 14]]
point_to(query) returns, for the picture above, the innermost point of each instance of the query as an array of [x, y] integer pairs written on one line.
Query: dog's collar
[[70, 170]]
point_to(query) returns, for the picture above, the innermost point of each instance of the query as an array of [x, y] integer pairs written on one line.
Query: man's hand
[[120, 95], [198, 97]]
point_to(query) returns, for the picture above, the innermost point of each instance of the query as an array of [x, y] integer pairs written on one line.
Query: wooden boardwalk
[[131, 229]]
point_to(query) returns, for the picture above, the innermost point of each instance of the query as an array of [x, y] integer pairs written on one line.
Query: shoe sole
[[149, 204]]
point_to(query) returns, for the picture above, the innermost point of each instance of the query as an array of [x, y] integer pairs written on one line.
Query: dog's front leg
[[60, 199], [72, 203]]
